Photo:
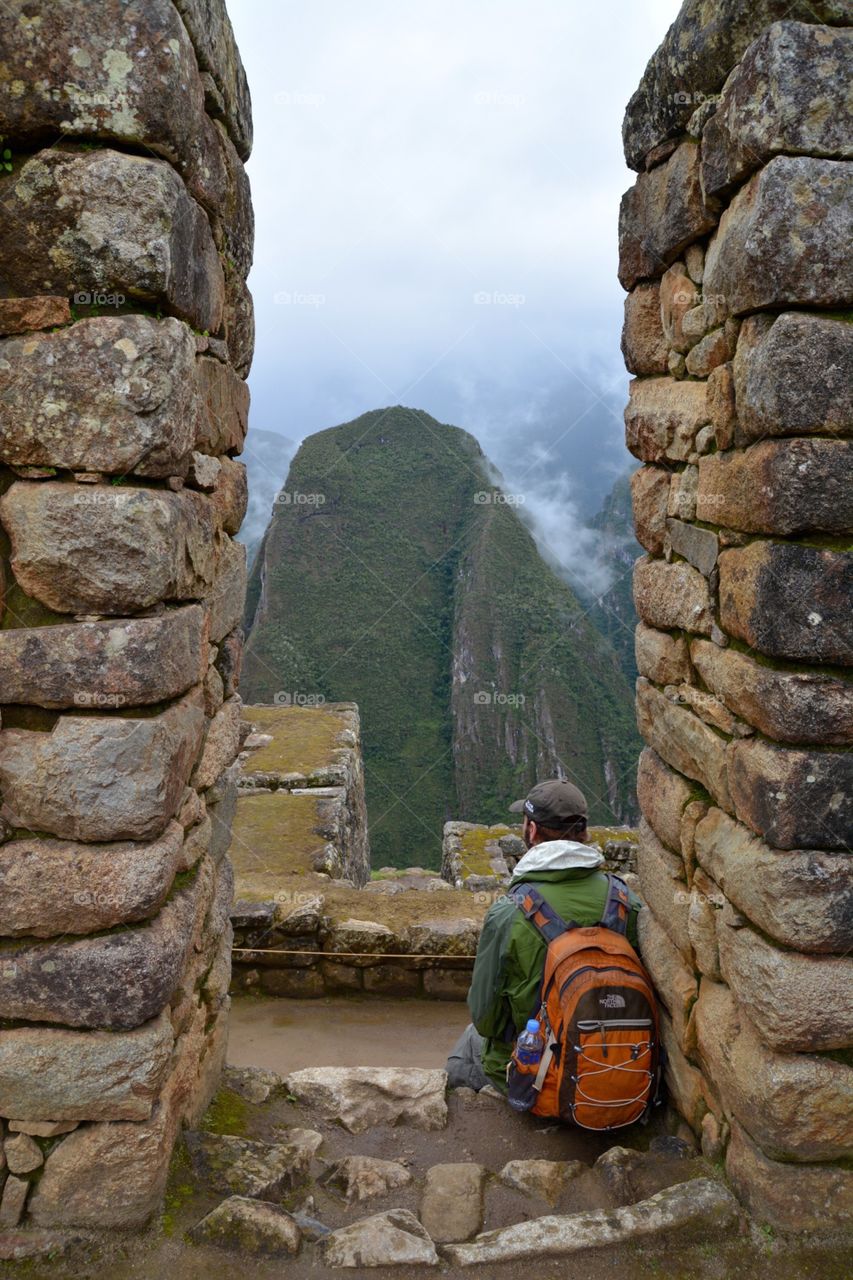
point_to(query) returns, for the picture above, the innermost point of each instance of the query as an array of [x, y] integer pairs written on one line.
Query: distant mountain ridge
[[395, 573]]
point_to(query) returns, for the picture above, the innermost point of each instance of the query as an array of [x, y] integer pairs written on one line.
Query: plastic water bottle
[[530, 1045]]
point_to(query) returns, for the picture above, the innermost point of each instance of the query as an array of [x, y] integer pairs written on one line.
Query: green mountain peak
[[396, 573]]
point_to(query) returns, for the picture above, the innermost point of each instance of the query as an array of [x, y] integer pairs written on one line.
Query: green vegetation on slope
[[613, 613], [384, 581]]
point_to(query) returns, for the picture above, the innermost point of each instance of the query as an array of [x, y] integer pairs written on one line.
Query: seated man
[[510, 962]]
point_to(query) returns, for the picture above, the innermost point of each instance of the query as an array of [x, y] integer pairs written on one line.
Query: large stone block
[[231, 495], [644, 343], [221, 744], [796, 1106], [683, 1079], [128, 662], [114, 981], [113, 394], [222, 428], [784, 239], [803, 897], [83, 1075], [789, 94], [105, 549], [788, 600], [649, 498], [22, 315], [672, 595], [683, 741], [49, 887], [226, 599], [795, 1002], [696, 55], [124, 90], [793, 798], [663, 884], [678, 295], [661, 656], [793, 375], [104, 222], [792, 1198], [101, 777], [114, 1174], [780, 486], [212, 35], [239, 323], [674, 981], [660, 215], [698, 546], [663, 795], [789, 706], [662, 418]]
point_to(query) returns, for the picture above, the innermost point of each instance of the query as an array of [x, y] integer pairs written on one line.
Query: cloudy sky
[[436, 188]]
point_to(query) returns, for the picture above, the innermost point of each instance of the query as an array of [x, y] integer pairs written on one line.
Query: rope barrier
[[352, 955]]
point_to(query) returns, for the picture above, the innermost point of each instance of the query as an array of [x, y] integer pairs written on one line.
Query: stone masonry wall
[[125, 335], [735, 247]]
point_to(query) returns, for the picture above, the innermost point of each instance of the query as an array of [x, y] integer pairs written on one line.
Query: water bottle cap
[[533, 1025]]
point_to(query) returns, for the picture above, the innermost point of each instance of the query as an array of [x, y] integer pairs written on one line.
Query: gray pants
[[465, 1066]]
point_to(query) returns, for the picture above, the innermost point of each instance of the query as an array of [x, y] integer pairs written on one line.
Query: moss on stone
[[305, 739], [274, 836], [228, 1113]]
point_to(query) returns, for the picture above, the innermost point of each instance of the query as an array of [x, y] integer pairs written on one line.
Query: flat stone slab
[[387, 1239], [247, 1226], [701, 1208], [543, 1178], [362, 1177], [251, 1169], [255, 1084], [361, 1097], [452, 1205]]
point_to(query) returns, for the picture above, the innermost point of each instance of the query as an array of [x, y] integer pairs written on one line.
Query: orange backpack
[[601, 1064]]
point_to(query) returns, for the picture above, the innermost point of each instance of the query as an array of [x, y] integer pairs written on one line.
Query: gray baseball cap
[[553, 803]]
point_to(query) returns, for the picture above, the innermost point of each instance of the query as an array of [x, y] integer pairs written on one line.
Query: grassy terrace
[[306, 740]]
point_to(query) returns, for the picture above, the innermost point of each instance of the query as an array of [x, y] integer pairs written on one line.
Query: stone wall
[[734, 244], [125, 336]]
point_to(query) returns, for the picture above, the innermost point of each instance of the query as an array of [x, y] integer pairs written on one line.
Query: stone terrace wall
[[734, 244], [311, 918], [125, 335]]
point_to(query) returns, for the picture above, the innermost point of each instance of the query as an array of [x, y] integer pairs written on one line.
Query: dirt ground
[[346, 1031], [284, 1035]]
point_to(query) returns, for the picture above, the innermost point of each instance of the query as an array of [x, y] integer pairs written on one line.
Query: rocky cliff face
[[396, 574]]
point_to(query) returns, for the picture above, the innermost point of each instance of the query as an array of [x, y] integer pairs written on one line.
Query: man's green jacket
[[505, 985]]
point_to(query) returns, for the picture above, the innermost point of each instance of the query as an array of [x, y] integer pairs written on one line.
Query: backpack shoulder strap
[[617, 906], [540, 913]]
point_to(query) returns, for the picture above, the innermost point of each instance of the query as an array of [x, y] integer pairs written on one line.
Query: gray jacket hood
[[558, 855]]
